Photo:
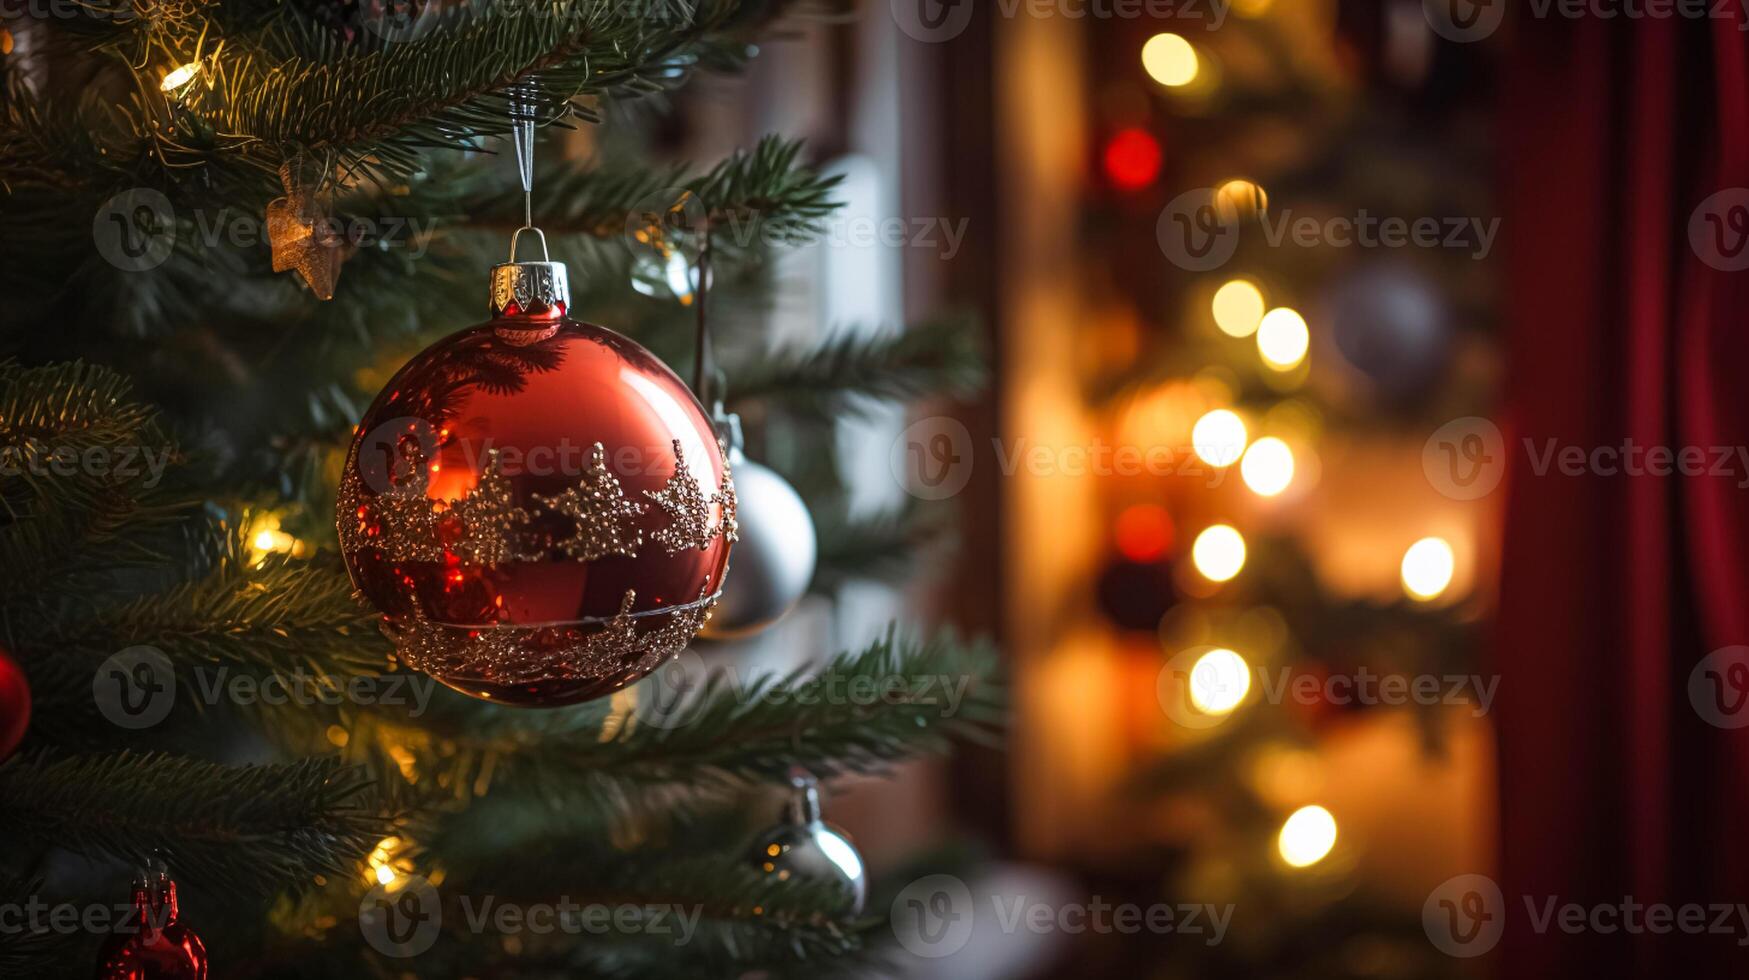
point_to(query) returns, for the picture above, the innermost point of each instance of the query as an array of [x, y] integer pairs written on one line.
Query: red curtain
[[1615, 587]]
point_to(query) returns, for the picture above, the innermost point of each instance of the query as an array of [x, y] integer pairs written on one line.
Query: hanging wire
[[701, 363], [522, 137]]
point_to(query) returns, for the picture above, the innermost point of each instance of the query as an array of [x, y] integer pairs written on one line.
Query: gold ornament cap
[[530, 288]]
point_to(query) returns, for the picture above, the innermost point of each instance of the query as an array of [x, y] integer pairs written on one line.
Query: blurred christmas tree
[[1308, 355], [175, 416]]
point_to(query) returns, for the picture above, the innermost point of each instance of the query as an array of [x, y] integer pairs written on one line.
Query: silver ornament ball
[[804, 848], [772, 563]]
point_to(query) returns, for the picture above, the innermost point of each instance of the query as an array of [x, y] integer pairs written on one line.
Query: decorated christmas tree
[[288, 442]]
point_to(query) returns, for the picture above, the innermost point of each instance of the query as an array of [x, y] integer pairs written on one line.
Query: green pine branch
[[846, 372], [609, 766], [765, 191], [80, 468], [377, 111], [741, 731], [247, 826], [275, 614]]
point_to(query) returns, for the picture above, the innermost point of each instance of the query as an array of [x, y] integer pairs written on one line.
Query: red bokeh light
[[1132, 159], [1144, 532]]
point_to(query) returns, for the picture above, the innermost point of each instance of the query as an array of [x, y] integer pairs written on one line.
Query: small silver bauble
[[804, 848], [773, 559]]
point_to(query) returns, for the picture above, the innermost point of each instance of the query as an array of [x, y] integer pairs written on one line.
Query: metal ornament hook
[[545, 256]]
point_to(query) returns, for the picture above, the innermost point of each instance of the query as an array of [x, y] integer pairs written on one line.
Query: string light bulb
[[1219, 681], [1218, 438], [1238, 307], [1170, 60], [1241, 198], [1427, 568], [1268, 467], [1282, 338], [1307, 836], [1218, 552], [382, 862], [180, 76]]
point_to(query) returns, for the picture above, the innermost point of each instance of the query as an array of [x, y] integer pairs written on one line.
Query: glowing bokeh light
[[1219, 437], [1170, 60], [1307, 836], [1268, 467], [1427, 568], [1238, 308], [1282, 338], [1218, 552]]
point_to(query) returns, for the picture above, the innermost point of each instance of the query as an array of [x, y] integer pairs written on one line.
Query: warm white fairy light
[[1218, 552], [1218, 438], [1238, 307], [1427, 568], [1170, 60], [1219, 681], [1307, 836], [1282, 339], [1268, 467], [180, 76]]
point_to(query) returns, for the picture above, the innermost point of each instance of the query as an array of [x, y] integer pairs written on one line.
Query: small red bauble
[[539, 507], [153, 943], [14, 705]]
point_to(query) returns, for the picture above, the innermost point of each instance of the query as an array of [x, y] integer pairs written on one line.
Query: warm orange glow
[[180, 76], [1144, 532]]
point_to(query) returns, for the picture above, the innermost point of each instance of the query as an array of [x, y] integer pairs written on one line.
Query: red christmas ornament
[[14, 705], [540, 508], [153, 943]]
